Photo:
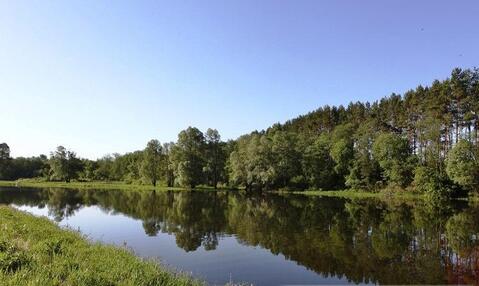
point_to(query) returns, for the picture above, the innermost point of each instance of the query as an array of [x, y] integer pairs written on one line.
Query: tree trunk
[[457, 132], [475, 130]]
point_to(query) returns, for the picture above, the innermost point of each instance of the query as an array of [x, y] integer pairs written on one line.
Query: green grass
[[36, 183], [384, 194], [74, 185], [349, 193], [35, 251]]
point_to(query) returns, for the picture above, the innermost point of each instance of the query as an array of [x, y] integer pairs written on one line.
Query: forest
[[426, 140]]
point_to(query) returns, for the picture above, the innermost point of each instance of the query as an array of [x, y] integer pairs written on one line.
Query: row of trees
[[427, 139], [195, 159]]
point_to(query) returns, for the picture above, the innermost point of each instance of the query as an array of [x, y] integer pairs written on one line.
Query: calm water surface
[[273, 239]]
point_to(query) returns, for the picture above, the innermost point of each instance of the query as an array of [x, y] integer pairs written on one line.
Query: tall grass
[[35, 251]]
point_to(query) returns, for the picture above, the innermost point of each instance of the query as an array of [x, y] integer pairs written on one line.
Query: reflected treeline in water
[[364, 240]]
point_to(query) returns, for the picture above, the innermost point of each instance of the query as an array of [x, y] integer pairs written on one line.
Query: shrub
[[430, 182]]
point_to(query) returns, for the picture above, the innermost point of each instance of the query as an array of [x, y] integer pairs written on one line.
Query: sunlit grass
[[38, 183], [383, 194], [35, 251], [387, 193]]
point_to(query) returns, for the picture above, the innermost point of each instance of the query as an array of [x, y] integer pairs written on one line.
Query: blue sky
[[106, 76]]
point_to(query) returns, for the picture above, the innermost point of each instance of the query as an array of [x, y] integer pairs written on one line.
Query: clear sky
[[106, 76]]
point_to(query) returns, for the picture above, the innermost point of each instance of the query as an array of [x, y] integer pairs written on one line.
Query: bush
[[462, 164], [430, 182]]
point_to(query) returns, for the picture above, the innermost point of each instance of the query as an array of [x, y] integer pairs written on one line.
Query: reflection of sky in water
[[230, 259]]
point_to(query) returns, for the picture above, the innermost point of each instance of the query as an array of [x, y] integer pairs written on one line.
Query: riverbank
[[35, 251], [33, 183], [383, 194]]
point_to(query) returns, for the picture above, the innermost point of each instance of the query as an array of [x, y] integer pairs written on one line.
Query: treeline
[[195, 159], [426, 139]]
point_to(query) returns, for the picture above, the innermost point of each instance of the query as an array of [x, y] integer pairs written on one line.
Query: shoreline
[[348, 193], [36, 249], [98, 185]]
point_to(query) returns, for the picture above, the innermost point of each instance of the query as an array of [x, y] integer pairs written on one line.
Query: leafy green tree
[[167, 164], [4, 151], [22, 167], [317, 164], [188, 157], [236, 165], [152, 159], [260, 163], [286, 158], [252, 163], [104, 170], [342, 151], [5, 162], [215, 158], [428, 181], [364, 171], [64, 165], [129, 166], [393, 155], [89, 170], [462, 164]]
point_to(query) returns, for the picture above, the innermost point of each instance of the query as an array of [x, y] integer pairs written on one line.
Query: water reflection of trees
[[362, 240]]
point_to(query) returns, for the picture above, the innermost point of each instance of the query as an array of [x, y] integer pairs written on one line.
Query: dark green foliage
[[5, 162], [4, 151]]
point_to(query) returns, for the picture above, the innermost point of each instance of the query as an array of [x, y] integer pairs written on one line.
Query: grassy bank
[[35, 251], [79, 185], [33, 183], [364, 194]]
